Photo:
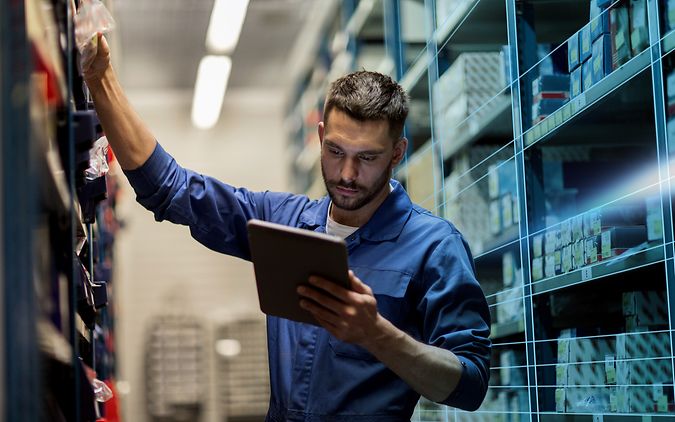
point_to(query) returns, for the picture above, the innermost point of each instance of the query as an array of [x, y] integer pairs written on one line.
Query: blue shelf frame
[[21, 387]]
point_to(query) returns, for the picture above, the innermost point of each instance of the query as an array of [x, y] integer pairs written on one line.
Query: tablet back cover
[[285, 257]]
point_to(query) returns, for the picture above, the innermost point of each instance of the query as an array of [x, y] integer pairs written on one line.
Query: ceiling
[[160, 42]]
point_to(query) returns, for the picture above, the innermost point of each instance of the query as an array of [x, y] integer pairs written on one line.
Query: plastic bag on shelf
[[92, 17], [98, 161], [102, 392]]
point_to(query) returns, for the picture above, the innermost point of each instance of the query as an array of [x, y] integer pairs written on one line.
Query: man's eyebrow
[[367, 152]]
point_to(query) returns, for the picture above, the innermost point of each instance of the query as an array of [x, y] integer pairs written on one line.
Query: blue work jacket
[[418, 266]]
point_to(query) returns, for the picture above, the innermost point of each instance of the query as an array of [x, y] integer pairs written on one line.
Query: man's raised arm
[[128, 136]]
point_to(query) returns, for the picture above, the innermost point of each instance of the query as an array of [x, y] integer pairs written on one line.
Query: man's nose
[[349, 170]]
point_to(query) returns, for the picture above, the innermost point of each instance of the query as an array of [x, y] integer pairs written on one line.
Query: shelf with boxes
[[67, 231], [620, 236], [667, 25], [593, 62], [536, 128], [610, 359]]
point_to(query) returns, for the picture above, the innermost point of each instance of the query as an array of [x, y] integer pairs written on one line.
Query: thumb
[[357, 285]]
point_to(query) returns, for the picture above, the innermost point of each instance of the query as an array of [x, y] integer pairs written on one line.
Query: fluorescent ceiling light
[[212, 76], [225, 25]]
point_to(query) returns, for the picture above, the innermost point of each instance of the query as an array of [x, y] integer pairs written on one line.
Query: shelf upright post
[[663, 160], [74, 275], [21, 388], [432, 76], [521, 43], [392, 36], [348, 9]]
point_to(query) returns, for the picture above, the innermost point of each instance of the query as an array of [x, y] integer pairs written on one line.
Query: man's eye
[[334, 151], [367, 157]]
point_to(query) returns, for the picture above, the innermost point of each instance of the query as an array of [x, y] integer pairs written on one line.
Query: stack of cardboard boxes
[[464, 94], [594, 236], [626, 373]]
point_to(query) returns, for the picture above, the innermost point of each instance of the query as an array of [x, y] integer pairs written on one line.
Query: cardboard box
[[599, 22], [566, 233], [577, 228], [560, 399], [507, 211], [649, 307], [573, 52], [470, 73], [587, 373], [561, 374], [585, 43], [495, 217], [567, 259], [639, 31], [512, 371], [509, 269], [586, 75], [538, 268], [537, 245], [592, 349], [601, 58], [510, 304], [654, 218], [586, 399], [670, 133], [669, 14], [591, 249], [576, 87], [579, 254], [564, 340], [642, 345], [493, 181], [551, 240], [620, 35], [549, 265]]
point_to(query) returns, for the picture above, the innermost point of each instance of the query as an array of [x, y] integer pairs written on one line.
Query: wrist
[[96, 79], [382, 337]]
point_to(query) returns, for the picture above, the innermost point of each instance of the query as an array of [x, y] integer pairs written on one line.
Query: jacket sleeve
[[456, 318], [216, 213]]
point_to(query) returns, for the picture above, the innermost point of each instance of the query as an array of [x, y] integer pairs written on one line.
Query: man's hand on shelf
[[95, 58]]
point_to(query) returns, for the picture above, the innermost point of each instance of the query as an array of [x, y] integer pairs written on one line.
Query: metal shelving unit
[[52, 228], [509, 184]]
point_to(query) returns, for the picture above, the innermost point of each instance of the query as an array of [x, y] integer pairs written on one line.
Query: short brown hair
[[366, 95]]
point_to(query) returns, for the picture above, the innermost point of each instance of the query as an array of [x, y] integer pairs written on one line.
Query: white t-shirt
[[336, 229]]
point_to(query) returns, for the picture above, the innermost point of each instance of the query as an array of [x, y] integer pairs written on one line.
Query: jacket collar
[[386, 223]]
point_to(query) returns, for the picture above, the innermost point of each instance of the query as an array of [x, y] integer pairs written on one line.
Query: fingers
[[323, 315], [103, 44], [324, 300], [330, 287]]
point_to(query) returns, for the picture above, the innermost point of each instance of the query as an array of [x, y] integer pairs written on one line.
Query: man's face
[[357, 159]]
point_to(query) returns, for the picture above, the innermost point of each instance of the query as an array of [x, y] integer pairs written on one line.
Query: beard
[[364, 196]]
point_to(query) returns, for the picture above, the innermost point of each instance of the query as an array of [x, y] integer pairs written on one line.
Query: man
[[415, 320]]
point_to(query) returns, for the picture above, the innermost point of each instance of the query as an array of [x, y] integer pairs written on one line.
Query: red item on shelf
[[111, 407]]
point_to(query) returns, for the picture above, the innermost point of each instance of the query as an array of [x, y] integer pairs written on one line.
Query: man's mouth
[[346, 191]]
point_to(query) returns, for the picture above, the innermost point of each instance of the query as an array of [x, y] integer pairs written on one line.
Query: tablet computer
[[285, 257]]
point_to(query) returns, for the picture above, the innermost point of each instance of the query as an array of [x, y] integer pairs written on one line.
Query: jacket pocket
[[389, 288]]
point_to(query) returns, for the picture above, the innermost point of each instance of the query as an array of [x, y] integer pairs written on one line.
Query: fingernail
[[301, 289]]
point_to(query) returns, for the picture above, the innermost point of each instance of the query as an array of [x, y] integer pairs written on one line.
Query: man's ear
[[400, 147], [321, 129]]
